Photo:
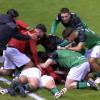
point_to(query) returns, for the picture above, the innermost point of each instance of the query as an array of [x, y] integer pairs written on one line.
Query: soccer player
[[68, 19], [88, 40], [15, 56], [31, 79], [8, 29], [78, 65]]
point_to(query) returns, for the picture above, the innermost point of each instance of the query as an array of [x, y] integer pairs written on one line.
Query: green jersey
[[69, 59], [91, 39], [74, 22]]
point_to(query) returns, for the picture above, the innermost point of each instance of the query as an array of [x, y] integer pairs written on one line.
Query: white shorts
[[31, 72], [78, 73], [13, 58], [94, 52], [44, 79]]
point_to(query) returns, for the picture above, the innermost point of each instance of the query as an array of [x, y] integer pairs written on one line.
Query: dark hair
[[13, 13], [41, 27], [64, 10], [42, 56], [67, 31]]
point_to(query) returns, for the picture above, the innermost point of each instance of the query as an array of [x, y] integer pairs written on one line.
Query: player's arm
[[79, 47], [54, 27], [50, 60], [82, 39]]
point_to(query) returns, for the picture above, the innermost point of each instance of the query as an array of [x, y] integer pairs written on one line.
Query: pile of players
[[69, 59]]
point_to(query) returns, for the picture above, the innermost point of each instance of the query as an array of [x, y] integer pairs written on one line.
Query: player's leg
[[49, 83], [93, 55], [17, 58], [93, 60], [33, 76], [5, 72], [77, 74], [8, 66]]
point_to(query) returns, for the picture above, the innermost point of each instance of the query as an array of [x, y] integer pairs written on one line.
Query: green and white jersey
[[69, 59], [91, 39]]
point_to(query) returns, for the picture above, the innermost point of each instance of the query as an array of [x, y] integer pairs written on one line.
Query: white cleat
[[63, 91], [3, 91], [97, 81], [58, 95]]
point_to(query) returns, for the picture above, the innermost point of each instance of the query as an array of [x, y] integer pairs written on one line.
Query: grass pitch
[[45, 11]]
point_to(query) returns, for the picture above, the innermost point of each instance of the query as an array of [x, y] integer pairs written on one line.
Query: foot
[[3, 91], [58, 95], [11, 91], [63, 91], [97, 80], [93, 84], [22, 91]]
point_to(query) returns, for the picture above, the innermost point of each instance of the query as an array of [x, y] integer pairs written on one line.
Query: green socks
[[54, 90], [82, 85]]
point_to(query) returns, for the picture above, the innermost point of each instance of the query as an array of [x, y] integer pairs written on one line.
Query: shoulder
[[58, 17], [74, 15]]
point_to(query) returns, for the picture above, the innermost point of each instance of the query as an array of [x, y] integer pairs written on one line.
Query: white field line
[[33, 95]]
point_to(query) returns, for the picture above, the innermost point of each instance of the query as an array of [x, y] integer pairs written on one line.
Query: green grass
[[45, 11]]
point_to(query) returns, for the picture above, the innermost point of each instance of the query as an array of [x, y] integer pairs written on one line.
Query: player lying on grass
[[78, 65], [30, 80]]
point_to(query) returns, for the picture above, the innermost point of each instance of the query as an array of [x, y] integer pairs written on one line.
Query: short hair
[[67, 31], [42, 56], [64, 10], [41, 27], [13, 13]]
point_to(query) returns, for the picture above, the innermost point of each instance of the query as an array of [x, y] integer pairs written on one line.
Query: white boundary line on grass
[[33, 95]]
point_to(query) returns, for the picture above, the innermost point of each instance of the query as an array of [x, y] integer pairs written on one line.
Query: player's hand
[[42, 65], [60, 48], [33, 36], [39, 67]]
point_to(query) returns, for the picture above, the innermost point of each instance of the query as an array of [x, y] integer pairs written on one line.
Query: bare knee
[[33, 83], [23, 79], [28, 65], [5, 72], [92, 60]]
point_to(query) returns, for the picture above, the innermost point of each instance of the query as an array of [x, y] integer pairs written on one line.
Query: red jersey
[[22, 45]]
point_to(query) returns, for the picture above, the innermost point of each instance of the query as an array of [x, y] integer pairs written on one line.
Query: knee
[[29, 64], [5, 72], [23, 79], [33, 86], [92, 60]]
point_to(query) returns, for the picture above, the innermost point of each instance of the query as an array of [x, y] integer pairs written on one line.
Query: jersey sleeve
[[16, 34], [82, 36], [22, 24]]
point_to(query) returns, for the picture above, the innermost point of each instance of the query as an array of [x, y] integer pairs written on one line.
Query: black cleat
[[22, 91], [11, 91]]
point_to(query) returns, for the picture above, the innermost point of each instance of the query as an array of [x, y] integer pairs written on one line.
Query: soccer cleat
[[3, 91], [58, 95], [63, 91], [93, 84], [97, 80], [22, 91], [11, 91]]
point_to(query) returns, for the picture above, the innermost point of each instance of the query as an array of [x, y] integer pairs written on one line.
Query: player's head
[[42, 27], [13, 13], [40, 30], [69, 33], [42, 56], [65, 15]]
